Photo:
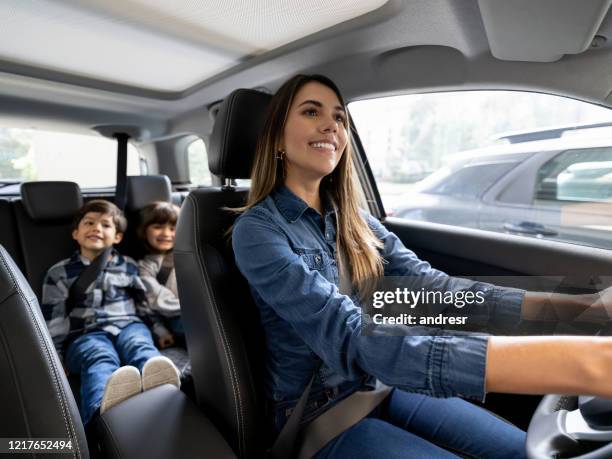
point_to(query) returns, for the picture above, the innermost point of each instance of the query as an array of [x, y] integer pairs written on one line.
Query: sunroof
[[156, 44]]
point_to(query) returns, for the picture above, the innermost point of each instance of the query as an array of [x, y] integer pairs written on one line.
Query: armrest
[[159, 423]]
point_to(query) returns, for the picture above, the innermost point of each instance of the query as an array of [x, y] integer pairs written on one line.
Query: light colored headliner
[[401, 47], [156, 44]]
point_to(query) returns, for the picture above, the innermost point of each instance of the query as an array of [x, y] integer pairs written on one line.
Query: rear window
[[89, 160], [576, 175]]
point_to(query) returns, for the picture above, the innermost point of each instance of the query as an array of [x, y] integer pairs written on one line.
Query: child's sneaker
[[123, 383], [159, 370]]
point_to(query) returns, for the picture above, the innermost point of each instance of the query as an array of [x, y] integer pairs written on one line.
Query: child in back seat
[[97, 326], [157, 230]]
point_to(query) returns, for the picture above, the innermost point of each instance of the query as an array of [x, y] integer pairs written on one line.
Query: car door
[[558, 195], [508, 205], [512, 259], [509, 259]]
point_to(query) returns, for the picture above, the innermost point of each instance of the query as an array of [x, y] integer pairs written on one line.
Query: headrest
[[144, 189], [45, 201], [235, 133]]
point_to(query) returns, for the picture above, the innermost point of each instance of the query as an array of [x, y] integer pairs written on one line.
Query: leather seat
[[222, 326], [140, 191], [35, 395], [160, 423], [45, 215]]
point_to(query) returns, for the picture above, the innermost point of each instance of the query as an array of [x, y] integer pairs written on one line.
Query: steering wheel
[[559, 429]]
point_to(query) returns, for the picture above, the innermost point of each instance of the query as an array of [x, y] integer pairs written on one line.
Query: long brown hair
[[353, 238]]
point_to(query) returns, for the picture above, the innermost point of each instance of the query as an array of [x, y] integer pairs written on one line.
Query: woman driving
[[310, 255]]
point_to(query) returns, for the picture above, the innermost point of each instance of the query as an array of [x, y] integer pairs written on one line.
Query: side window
[[198, 163], [470, 181], [89, 160], [449, 157], [576, 175]]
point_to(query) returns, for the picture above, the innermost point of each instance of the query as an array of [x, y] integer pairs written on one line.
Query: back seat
[[141, 190], [44, 217], [9, 238], [36, 227]]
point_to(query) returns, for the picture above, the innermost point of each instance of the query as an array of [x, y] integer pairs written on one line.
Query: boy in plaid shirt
[[103, 331]]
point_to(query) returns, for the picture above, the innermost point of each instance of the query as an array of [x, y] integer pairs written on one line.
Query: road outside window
[[515, 162]]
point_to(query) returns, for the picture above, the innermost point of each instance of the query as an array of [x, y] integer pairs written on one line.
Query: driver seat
[[222, 325]]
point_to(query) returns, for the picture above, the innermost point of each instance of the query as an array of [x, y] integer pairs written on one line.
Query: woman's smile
[[324, 146], [315, 133]]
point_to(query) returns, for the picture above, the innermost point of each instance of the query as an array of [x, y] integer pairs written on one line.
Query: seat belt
[[76, 293], [339, 418], [348, 412], [285, 443], [121, 187], [166, 268]]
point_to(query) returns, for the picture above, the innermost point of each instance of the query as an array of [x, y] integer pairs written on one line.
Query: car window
[[90, 161], [197, 158], [577, 175], [435, 157], [470, 181]]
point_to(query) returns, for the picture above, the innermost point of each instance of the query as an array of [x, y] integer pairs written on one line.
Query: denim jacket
[[287, 252]]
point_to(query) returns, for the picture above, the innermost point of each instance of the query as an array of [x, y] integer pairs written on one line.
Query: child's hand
[[165, 341]]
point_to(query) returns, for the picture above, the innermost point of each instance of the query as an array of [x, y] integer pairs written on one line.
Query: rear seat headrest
[[235, 133], [46, 201], [144, 189]]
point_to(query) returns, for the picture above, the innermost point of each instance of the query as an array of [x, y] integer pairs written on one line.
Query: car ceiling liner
[[549, 29]]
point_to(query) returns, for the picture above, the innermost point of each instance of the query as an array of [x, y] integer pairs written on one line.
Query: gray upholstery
[[144, 189], [35, 396]]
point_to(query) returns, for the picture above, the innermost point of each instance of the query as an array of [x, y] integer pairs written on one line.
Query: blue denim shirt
[[287, 252]]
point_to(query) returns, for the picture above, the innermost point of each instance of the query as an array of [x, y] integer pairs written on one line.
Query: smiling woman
[[310, 256], [314, 140], [188, 82]]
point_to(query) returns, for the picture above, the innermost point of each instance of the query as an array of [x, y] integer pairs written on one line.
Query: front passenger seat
[[35, 396]]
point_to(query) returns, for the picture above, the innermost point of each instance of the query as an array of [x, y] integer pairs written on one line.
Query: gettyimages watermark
[[431, 305]]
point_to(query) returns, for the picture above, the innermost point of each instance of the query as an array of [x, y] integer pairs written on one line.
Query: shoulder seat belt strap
[[166, 268], [76, 293]]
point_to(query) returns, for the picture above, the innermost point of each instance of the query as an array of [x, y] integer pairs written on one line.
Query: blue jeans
[[417, 426], [176, 326], [96, 355]]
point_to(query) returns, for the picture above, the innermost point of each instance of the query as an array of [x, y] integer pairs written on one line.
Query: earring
[[280, 154]]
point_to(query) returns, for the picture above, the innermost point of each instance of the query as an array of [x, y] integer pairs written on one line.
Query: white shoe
[[159, 370], [123, 383]]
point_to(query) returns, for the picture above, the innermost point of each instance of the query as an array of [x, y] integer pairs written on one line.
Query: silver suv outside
[[546, 184]]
